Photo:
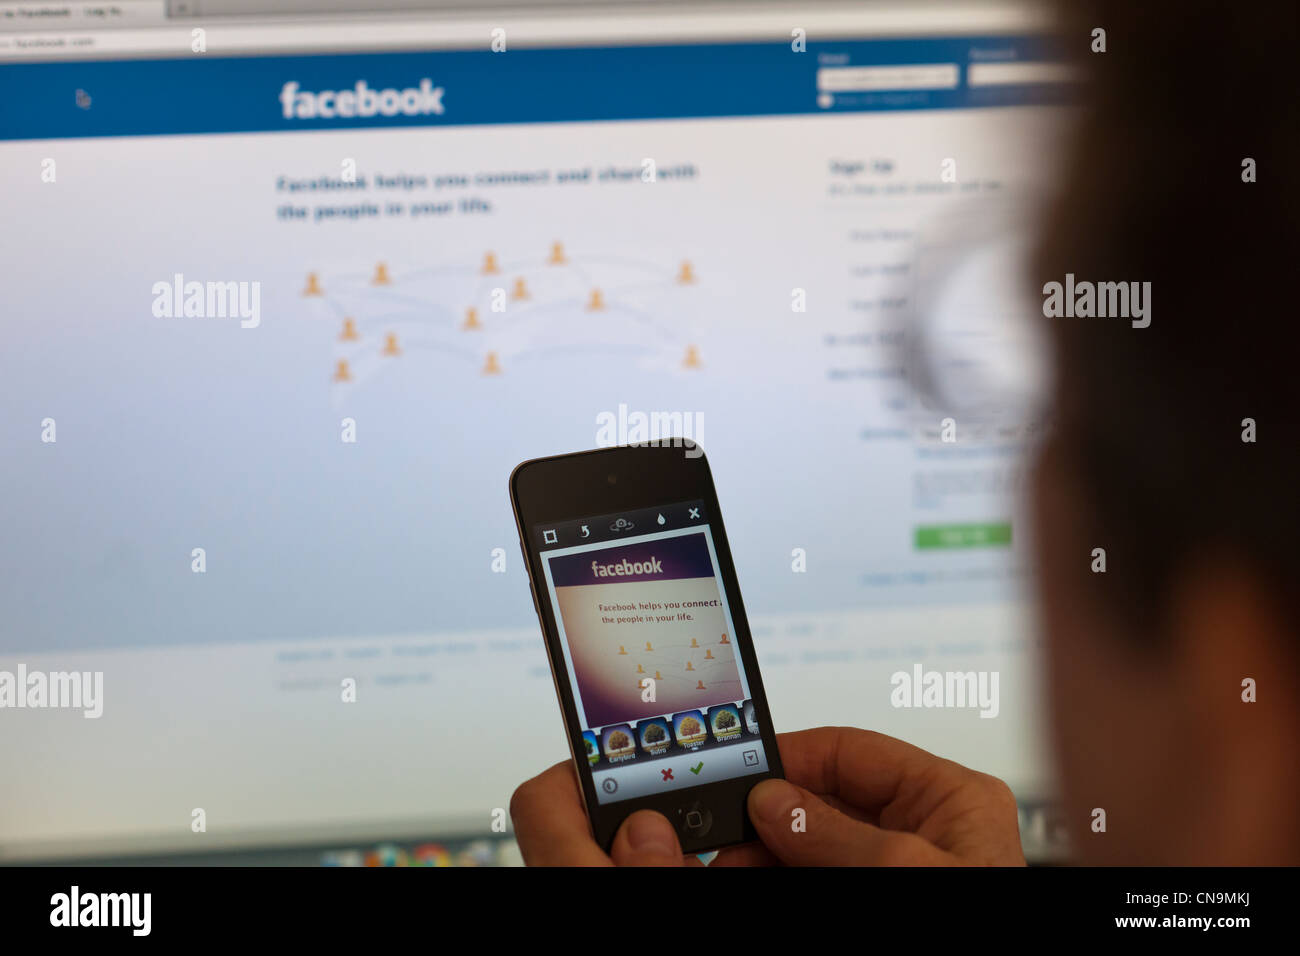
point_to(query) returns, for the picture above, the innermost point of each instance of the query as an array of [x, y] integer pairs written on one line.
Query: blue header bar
[[205, 94]]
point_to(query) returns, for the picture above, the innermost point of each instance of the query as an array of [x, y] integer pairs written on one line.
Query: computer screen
[[286, 301]]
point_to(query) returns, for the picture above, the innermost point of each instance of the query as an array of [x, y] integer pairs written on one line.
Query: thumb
[[646, 838], [801, 829]]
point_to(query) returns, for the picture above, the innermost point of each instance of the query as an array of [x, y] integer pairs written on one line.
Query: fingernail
[[650, 833], [771, 801]]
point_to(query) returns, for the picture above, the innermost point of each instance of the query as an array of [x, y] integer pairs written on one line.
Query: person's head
[[1174, 448]]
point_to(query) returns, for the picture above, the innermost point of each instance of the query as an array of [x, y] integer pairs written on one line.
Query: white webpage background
[[184, 433]]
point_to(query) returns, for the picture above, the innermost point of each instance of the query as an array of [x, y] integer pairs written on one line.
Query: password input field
[[1017, 74]]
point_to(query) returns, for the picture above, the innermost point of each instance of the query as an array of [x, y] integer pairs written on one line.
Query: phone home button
[[695, 820]]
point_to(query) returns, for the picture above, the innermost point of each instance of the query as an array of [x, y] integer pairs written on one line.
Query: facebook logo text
[[361, 100]]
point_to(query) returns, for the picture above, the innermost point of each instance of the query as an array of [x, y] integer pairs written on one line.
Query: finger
[[803, 830], [550, 821], [867, 770], [846, 808], [646, 838], [751, 854]]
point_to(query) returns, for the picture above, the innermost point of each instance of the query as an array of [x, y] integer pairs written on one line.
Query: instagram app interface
[[649, 650]]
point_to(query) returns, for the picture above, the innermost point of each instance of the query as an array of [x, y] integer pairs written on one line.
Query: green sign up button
[[932, 536]]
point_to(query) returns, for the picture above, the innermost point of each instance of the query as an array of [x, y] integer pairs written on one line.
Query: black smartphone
[[647, 639]]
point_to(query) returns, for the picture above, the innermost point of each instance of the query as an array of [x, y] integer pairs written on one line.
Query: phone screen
[[650, 651]]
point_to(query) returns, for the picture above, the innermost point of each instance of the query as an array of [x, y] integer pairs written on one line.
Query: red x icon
[[668, 774]]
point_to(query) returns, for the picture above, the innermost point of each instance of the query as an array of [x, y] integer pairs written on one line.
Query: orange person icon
[[597, 301], [341, 371], [686, 274], [708, 655], [471, 319], [313, 285], [520, 291], [657, 677], [490, 266], [622, 649], [648, 647], [690, 666], [694, 642], [724, 640], [692, 359], [640, 669], [381, 275], [349, 333], [557, 254], [491, 366], [699, 685], [390, 344]]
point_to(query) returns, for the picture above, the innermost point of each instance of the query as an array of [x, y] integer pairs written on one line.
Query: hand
[[552, 828], [872, 800], [868, 800]]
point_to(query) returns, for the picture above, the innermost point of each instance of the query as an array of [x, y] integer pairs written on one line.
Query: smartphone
[[647, 639]]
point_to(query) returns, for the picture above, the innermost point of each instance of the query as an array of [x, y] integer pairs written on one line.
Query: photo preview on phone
[[650, 651]]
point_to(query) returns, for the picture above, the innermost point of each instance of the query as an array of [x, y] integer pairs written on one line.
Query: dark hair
[[1150, 420]]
